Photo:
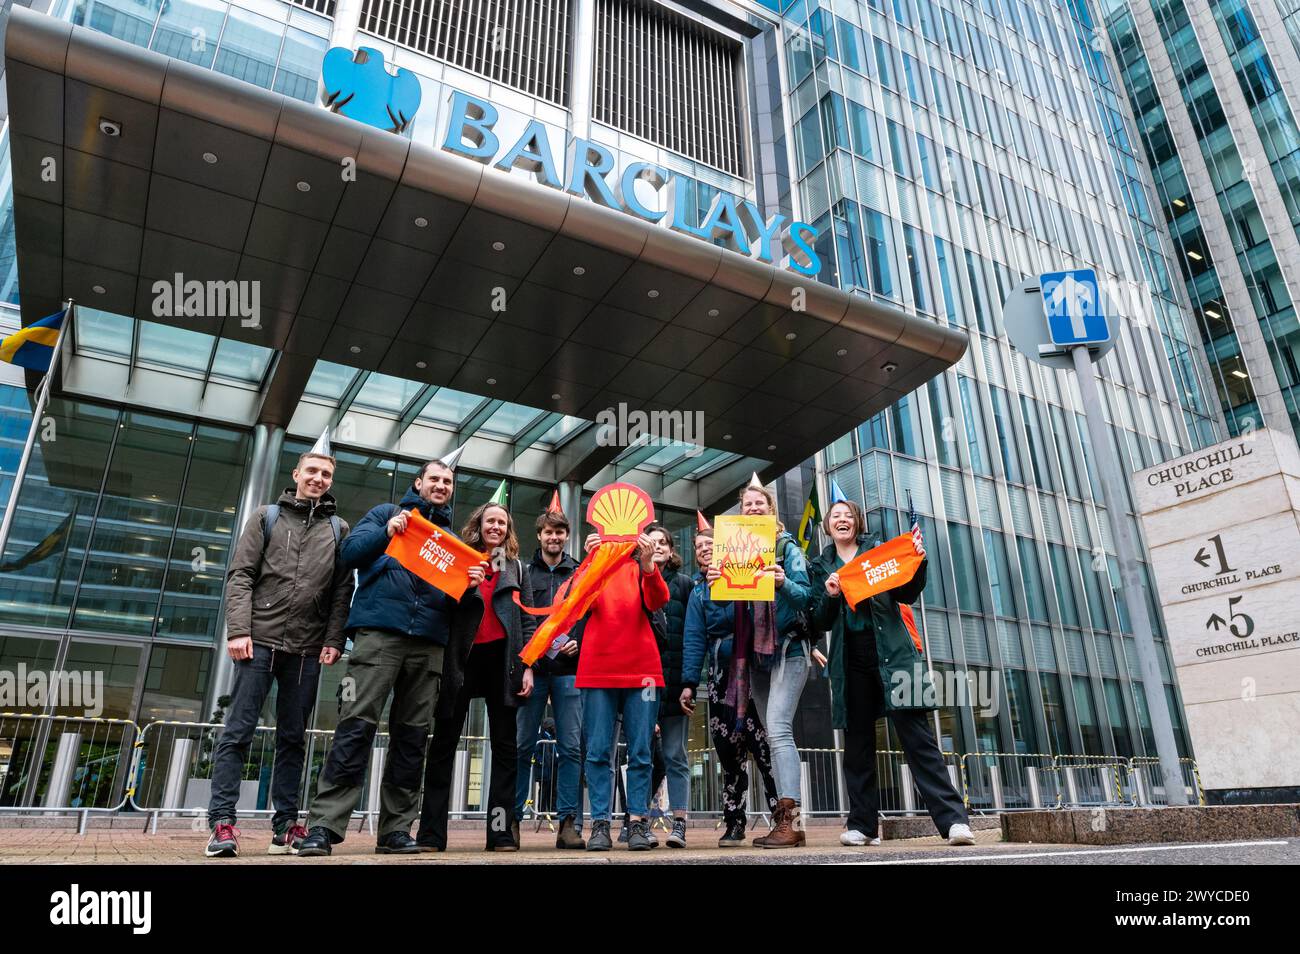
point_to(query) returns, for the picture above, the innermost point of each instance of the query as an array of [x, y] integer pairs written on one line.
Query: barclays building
[[431, 223]]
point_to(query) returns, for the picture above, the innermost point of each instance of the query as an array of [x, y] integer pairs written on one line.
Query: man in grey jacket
[[287, 598]]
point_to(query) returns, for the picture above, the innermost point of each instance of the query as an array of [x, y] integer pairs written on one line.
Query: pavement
[[107, 846]]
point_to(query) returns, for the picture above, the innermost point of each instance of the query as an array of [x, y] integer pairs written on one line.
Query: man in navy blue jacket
[[400, 628]]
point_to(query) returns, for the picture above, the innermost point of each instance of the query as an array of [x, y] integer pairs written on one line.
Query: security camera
[[889, 367], [110, 127]]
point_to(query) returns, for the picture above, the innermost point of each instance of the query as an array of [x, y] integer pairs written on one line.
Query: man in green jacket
[[876, 669], [287, 600]]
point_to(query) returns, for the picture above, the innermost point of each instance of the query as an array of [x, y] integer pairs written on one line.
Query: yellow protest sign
[[742, 546]]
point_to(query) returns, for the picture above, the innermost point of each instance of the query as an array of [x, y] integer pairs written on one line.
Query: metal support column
[[259, 476], [571, 502]]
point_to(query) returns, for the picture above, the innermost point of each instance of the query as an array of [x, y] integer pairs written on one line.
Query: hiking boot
[[568, 836], [318, 842], [789, 831], [287, 840], [777, 813], [734, 836], [677, 837], [638, 838], [224, 842], [599, 840], [397, 843]]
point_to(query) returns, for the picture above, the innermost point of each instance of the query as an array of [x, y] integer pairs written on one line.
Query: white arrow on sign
[[1075, 300]]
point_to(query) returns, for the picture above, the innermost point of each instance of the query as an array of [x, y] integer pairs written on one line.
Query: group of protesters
[[652, 644]]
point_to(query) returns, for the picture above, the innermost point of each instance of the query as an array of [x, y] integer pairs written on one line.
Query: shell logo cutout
[[620, 512], [742, 563]]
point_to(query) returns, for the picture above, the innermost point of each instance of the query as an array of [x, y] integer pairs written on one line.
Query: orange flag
[[576, 596], [434, 555], [891, 564]]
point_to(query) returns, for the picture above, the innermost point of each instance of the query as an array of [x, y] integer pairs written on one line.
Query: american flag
[[914, 523]]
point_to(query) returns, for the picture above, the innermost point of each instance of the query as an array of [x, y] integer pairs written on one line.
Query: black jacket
[[519, 627], [545, 583], [671, 652]]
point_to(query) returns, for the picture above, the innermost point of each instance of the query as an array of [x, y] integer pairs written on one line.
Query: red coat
[[618, 645]]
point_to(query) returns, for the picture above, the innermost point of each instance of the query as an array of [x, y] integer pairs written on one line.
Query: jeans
[[674, 730], [566, 703], [483, 671], [600, 710], [776, 693], [297, 678]]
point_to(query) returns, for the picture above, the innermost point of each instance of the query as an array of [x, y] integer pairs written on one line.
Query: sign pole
[[1131, 581]]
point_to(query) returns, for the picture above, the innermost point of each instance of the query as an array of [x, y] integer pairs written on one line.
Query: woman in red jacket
[[619, 674]]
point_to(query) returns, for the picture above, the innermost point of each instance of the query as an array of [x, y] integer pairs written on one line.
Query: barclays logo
[[359, 86]]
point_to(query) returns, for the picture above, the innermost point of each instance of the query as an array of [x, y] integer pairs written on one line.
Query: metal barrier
[[58, 764]]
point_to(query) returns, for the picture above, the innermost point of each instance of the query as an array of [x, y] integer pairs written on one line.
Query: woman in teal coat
[[876, 669]]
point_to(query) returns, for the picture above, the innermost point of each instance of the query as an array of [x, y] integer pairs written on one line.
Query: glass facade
[[944, 150], [1249, 168], [954, 149]]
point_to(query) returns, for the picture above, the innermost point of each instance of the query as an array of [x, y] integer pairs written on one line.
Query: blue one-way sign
[[1072, 302]]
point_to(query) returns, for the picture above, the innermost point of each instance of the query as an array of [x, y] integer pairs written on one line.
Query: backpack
[[802, 628]]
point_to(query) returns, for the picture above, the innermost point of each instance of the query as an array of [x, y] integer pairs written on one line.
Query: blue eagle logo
[[359, 86]]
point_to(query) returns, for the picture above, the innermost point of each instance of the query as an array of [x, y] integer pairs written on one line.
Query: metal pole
[[1131, 581], [38, 411], [258, 476], [571, 504]]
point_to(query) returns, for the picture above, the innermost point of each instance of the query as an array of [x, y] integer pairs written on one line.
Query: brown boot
[[567, 836], [777, 813], [788, 832]]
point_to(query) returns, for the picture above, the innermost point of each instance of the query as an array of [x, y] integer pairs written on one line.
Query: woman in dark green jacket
[[876, 669]]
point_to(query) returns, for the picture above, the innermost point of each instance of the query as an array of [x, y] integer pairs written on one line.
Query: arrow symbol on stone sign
[[1202, 557], [1216, 621], [1073, 299]]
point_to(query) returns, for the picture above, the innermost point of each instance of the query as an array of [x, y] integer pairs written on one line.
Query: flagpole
[[42, 396], [925, 637]]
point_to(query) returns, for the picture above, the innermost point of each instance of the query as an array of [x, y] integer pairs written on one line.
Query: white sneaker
[[961, 835], [856, 839]]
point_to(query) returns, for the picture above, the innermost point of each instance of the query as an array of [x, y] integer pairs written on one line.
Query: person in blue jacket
[[400, 626], [707, 641]]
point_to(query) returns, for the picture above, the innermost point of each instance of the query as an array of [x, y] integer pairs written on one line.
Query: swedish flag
[[33, 347]]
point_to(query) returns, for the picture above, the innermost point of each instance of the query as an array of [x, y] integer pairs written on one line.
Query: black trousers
[[865, 701], [483, 679]]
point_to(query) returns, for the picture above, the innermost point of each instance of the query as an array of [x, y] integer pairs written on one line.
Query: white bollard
[[59, 790], [1035, 789]]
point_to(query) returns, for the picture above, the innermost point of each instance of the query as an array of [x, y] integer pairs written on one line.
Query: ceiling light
[[726, 437], [304, 186], [491, 380], [555, 397], [652, 293], [889, 367], [771, 447], [422, 364], [110, 127], [579, 270], [1241, 374], [498, 246], [1196, 256], [1212, 313], [713, 312], [210, 158], [98, 289], [421, 222], [1180, 203], [790, 336], [841, 352], [355, 349]]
